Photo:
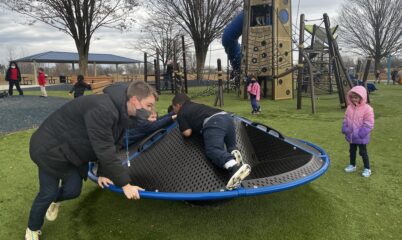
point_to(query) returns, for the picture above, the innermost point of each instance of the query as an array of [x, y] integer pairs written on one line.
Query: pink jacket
[[254, 89], [359, 120]]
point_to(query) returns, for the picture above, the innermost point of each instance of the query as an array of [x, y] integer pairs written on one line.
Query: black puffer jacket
[[83, 130]]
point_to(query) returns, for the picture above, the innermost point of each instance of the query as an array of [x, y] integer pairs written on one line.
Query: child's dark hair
[[180, 98], [41, 69], [251, 76], [170, 109], [80, 78]]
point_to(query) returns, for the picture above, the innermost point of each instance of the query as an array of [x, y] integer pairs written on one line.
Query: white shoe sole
[[366, 175], [32, 235], [350, 170], [52, 212], [235, 181], [238, 157]]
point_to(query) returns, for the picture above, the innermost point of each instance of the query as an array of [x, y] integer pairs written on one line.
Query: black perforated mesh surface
[[175, 164]]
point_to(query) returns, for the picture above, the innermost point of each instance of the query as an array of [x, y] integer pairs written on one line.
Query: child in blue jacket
[[145, 128]]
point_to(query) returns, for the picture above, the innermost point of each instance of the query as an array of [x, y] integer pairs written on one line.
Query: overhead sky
[[18, 39]]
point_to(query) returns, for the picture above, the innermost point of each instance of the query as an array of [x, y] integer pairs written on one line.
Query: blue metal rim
[[240, 192]]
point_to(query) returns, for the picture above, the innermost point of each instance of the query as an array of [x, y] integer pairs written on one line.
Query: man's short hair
[[180, 98], [140, 90]]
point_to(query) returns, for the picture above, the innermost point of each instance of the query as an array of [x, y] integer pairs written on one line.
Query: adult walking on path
[[86, 129], [13, 76], [377, 76]]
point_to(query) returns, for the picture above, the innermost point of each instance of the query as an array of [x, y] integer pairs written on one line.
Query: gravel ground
[[24, 112]]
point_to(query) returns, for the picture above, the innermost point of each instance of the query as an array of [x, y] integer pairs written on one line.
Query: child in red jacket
[[42, 82]]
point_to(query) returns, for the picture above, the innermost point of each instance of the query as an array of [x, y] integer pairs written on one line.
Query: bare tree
[[78, 18], [203, 20], [11, 52], [372, 27], [160, 34]]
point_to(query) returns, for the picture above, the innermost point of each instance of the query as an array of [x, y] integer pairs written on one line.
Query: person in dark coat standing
[[79, 87], [167, 78], [85, 130], [13, 76]]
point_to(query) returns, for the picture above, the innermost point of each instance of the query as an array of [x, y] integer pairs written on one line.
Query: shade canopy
[[68, 57]]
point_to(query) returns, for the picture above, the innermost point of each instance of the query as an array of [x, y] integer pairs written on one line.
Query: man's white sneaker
[[52, 211], [239, 159], [32, 235], [239, 173], [350, 168], [366, 172]]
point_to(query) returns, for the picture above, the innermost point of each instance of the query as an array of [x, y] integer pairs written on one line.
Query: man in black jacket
[[83, 130]]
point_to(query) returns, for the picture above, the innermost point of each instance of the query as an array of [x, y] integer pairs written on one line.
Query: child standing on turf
[[42, 82], [253, 89], [217, 129], [357, 125]]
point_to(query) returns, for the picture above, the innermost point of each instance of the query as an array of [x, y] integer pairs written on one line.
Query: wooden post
[[35, 78], [219, 92], [94, 64], [311, 82], [117, 72], [300, 72], [157, 73], [145, 67], [184, 64], [173, 78], [227, 75]]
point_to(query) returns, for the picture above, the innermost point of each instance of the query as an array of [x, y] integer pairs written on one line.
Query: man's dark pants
[[51, 191]]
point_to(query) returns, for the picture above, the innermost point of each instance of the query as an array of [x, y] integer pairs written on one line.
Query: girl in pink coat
[[357, 125], [253, 89]]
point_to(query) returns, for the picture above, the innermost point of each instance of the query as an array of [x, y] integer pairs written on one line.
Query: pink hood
[[361, 91], [359, 119]]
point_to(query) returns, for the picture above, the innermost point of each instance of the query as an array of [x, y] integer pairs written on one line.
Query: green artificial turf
[[335, 206]]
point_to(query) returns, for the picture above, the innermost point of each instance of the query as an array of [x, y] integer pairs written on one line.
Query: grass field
[[335, 206]]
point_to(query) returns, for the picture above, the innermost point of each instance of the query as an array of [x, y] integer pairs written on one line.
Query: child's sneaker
[[239, 173], [239, 159], [366, 172], [32, 235], [52, 211], [350, 168]]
